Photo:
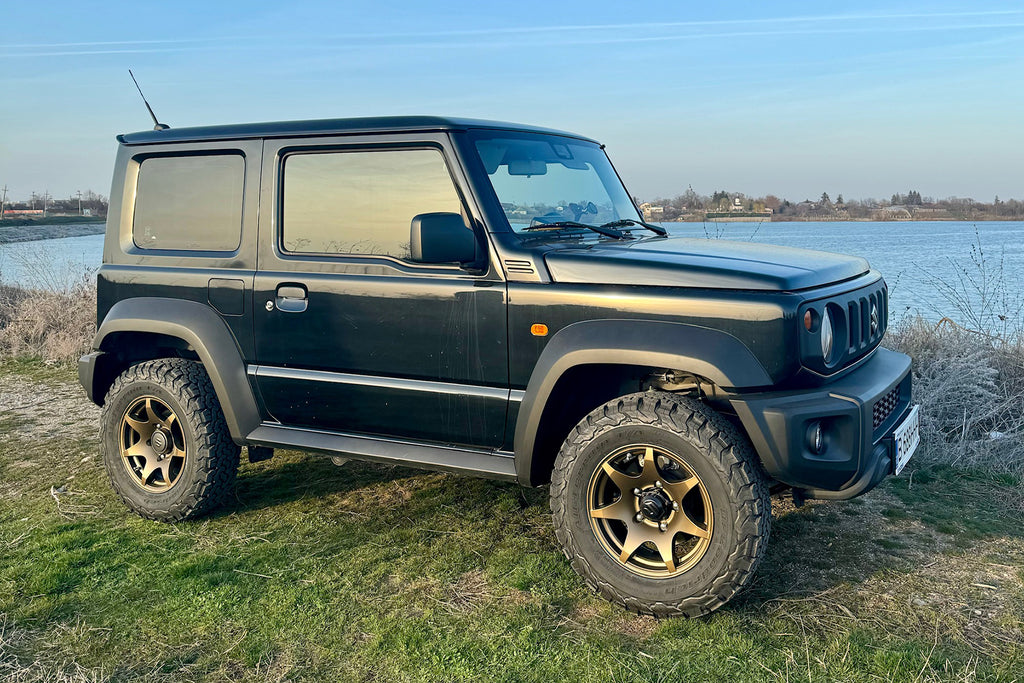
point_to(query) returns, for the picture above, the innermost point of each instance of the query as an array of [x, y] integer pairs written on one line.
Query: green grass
[[372, 573]]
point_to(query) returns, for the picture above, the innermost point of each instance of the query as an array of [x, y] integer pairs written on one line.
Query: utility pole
[[46, 195], [3, 203], [79, 193]]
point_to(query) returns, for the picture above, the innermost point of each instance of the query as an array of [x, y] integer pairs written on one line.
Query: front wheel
[[661, 505]]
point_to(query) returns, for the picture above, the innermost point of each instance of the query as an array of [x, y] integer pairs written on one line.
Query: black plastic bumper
[[858, 414]]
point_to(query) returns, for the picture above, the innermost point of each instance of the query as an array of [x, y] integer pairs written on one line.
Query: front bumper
[[858, 413]]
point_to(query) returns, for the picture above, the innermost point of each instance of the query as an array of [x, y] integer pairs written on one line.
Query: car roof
[[326, 127]]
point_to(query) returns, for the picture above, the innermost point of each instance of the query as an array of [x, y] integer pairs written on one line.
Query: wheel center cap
[[655, 506], [161, 442]]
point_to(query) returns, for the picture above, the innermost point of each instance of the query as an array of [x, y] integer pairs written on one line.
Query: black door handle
[[291, 298]]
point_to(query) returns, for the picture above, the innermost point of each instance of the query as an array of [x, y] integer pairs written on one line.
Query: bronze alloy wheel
[[650, 511], [152, 444]]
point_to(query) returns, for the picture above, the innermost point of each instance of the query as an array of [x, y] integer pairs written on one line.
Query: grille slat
[[855, 329], [884, 406]]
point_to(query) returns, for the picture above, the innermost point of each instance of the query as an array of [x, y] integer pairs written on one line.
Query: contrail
[[538, 29], [253, 43]]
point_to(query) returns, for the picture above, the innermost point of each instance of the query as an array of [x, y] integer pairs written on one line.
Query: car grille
[[860, 318], [865, 331], [884, 406]]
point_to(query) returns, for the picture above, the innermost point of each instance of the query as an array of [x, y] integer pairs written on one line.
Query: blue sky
[[787, 98]]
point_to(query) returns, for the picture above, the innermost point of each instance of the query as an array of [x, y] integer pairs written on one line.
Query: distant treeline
[[88, 203], [910, 206]]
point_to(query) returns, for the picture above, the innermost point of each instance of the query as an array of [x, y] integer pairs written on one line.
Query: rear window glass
[[191, 203]]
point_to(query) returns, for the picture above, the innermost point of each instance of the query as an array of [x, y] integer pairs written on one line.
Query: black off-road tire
[[722, 457], [207, 477]]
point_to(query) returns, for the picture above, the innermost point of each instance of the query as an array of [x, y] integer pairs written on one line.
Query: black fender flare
[[713, 354], [203, 329]]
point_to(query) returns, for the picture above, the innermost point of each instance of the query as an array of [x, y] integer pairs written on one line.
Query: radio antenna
[[156, 124]]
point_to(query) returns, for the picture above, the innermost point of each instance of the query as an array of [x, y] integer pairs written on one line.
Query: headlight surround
[[838, 330]]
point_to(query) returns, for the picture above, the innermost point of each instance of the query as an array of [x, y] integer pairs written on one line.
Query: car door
[[351, 335]]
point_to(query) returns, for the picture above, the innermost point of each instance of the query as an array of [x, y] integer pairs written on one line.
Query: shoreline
[[32, 232], [50, 220]]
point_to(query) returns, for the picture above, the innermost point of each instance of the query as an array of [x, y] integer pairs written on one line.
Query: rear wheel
[[661, 505], [166, 446]]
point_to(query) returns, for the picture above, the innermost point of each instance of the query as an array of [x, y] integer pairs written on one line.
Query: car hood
[[707, 263]]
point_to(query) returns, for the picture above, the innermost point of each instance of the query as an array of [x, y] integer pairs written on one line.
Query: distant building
[[892, 213], [652, 212]]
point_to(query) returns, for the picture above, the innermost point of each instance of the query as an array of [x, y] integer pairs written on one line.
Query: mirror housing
[[441, 238]]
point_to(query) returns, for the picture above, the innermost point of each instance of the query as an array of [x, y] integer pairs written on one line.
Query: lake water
[[911, 255]]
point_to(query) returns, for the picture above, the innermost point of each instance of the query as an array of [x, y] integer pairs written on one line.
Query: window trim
[[349, 257], [140, 159]]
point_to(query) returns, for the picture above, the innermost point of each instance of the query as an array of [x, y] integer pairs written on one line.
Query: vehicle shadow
[[307, 476], [812, 549]]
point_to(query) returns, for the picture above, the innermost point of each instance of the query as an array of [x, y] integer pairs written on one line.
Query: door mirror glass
[[441, 238]]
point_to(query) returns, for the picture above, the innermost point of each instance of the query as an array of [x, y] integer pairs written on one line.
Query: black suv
[[483, 298]]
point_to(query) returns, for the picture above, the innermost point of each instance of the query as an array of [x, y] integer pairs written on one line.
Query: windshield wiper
[[626, 222], [607, 230]]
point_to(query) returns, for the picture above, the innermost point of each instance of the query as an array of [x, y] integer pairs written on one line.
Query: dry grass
[[53, 326], [55, 319], [971, 390]]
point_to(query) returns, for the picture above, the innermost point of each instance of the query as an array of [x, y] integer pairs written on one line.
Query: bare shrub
[[969, 377], [971, 389], [982, 293]]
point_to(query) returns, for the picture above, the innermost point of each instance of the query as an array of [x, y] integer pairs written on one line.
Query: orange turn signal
[[539, 330]]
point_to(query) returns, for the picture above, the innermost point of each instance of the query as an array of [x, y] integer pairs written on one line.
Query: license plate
[[907, 436]]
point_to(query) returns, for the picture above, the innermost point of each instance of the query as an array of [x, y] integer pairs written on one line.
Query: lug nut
[[663, 526], [658, 484], [637, 492], [639, 516], [675, 505]]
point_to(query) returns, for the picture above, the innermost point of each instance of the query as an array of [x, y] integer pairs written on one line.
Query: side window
[[362, 202], [189, 202]]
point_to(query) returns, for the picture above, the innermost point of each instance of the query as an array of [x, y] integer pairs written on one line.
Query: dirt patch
[[33, 410]]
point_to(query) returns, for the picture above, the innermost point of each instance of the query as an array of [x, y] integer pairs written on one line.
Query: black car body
[[475, 352]]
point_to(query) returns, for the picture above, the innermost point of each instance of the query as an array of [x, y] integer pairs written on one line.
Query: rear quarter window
[[191, 203]]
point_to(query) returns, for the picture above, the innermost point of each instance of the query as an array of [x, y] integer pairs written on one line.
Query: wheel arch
[[609, 355], [132, 332]]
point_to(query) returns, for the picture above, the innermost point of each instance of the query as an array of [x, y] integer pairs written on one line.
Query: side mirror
[[441, 238]]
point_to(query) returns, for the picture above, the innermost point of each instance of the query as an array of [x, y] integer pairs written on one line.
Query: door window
[[362, 202]]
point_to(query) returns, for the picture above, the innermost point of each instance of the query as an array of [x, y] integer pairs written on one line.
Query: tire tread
[[216, 454], [744, 478]]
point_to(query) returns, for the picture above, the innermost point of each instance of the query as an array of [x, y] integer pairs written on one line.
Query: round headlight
[[827, 335]]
